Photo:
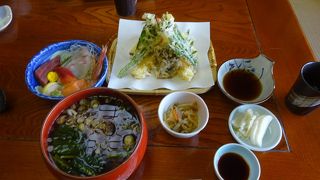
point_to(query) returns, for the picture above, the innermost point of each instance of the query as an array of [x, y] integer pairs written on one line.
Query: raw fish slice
[[42, 71], [82, 62]]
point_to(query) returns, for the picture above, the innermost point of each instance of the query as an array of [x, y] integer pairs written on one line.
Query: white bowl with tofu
[[255, 127]]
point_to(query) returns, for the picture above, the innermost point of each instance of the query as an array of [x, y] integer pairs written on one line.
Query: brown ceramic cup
[[304, 95], [125, 7]]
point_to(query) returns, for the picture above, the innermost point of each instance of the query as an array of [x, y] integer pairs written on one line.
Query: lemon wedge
[[51, 87]]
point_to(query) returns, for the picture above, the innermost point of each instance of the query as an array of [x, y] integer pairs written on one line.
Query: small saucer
[[272, 136], [5, 17]]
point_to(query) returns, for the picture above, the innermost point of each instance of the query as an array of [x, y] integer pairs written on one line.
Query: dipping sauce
[[242, 84], [233, 166]]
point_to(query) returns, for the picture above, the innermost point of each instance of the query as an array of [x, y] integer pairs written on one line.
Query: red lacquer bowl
[[124, 170]]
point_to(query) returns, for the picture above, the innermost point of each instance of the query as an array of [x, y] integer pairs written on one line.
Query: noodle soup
[[94, 136]]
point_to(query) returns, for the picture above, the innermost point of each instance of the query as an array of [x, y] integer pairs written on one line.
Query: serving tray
[[111, 54]]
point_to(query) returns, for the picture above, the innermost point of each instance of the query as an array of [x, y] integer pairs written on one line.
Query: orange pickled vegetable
[[175, 114]]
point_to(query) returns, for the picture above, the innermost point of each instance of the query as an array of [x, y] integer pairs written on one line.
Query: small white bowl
[[260, 66], [5, 17], [184, 97], [245, 153], [273, 134]]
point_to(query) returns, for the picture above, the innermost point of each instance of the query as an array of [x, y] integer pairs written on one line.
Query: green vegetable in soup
[[69, 154]]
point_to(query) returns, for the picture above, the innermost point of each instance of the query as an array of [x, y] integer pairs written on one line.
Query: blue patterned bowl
[[260, 66], [45, 54]]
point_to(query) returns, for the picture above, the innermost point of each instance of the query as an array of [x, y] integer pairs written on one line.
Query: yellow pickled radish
[[52, 76]]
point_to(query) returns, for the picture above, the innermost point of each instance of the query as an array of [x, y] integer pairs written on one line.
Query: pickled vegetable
[[252, 126], [182, 118]]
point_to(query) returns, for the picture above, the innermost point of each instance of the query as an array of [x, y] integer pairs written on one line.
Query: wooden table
[[239, 28]]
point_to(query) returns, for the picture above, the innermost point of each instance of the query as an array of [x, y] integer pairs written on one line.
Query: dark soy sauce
[[242, 84], [233, 166]]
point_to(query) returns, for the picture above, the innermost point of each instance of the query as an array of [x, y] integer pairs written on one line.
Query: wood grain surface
[[239, 28]]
